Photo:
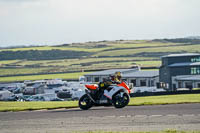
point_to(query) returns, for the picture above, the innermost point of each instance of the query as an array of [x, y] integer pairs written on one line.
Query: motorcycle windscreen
[[91, 87], [123, 84]]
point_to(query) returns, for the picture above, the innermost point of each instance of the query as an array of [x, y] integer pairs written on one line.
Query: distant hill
[[92, 56], [193, 37], [187, 40], [104, 49]]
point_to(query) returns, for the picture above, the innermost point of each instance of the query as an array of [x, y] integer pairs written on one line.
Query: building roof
[[185, 64], [140, 74], [181, 55], [109, 72], [126, 73], [188, 78]]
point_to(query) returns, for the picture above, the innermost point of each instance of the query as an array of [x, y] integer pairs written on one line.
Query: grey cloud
[[18, 1]]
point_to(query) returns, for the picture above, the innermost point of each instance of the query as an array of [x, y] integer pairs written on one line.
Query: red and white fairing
[[116, 88]]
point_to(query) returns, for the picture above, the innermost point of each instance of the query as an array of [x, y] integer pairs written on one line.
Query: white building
[[186, 81], [136, 76]]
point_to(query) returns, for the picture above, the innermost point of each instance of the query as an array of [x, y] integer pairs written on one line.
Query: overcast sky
[[53, 22]]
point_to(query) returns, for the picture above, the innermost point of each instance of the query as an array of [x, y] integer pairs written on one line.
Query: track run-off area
[[131, 118]]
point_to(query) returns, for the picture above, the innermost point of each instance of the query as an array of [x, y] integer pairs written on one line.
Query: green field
[[166, 131], [168, 99], [137, 101], [15, 71], [127, 52], [64, 76], [20, 106], [102, 55], [52, 48]]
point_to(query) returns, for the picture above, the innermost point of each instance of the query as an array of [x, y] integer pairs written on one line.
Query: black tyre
[[121, 101], [85, 102]]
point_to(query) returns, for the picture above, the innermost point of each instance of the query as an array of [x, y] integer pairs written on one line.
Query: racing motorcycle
[[105, 95]]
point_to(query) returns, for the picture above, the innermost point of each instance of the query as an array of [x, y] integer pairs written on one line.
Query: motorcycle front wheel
[[85, 102], [121, 101]]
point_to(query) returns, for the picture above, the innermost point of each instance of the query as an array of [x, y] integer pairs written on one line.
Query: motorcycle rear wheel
[[120, 102], [85, 102]]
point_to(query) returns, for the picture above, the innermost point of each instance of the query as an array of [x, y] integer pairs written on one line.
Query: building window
[[96, 79], [195, 59], [152, 83], [188, 85], [174, 86], [179, 84], [198, 85], [143, 83], [134, 82], [195, 70], [89, 79]]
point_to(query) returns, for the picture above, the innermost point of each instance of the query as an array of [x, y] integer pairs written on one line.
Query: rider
[[113, 79], [117, 77]]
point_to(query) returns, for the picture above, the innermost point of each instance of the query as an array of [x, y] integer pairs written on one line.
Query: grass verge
[[166, 99], [137, 101], [22, 106], [166, 131]]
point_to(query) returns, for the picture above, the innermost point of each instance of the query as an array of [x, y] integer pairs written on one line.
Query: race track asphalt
[[131, 118]]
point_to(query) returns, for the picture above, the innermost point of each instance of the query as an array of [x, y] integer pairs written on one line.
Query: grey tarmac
[[130, 118]]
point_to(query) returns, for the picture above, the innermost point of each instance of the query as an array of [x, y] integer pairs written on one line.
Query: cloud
[[23, 3], [18, 1], [61, 21]]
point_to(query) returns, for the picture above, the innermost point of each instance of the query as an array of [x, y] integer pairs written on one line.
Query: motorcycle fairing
[[91, 87], [125, 86], [109, 94]]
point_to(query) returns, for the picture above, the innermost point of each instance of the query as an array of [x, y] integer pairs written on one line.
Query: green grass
[[167, 99], [14, 71], [51, 66], [151, 100], [166, 131], [40, 77], [141, 44], [123, 48], [148, 63], [90, 47], [68, 62], [55, 48], [126, 52], [7, 62], [20, 106]]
